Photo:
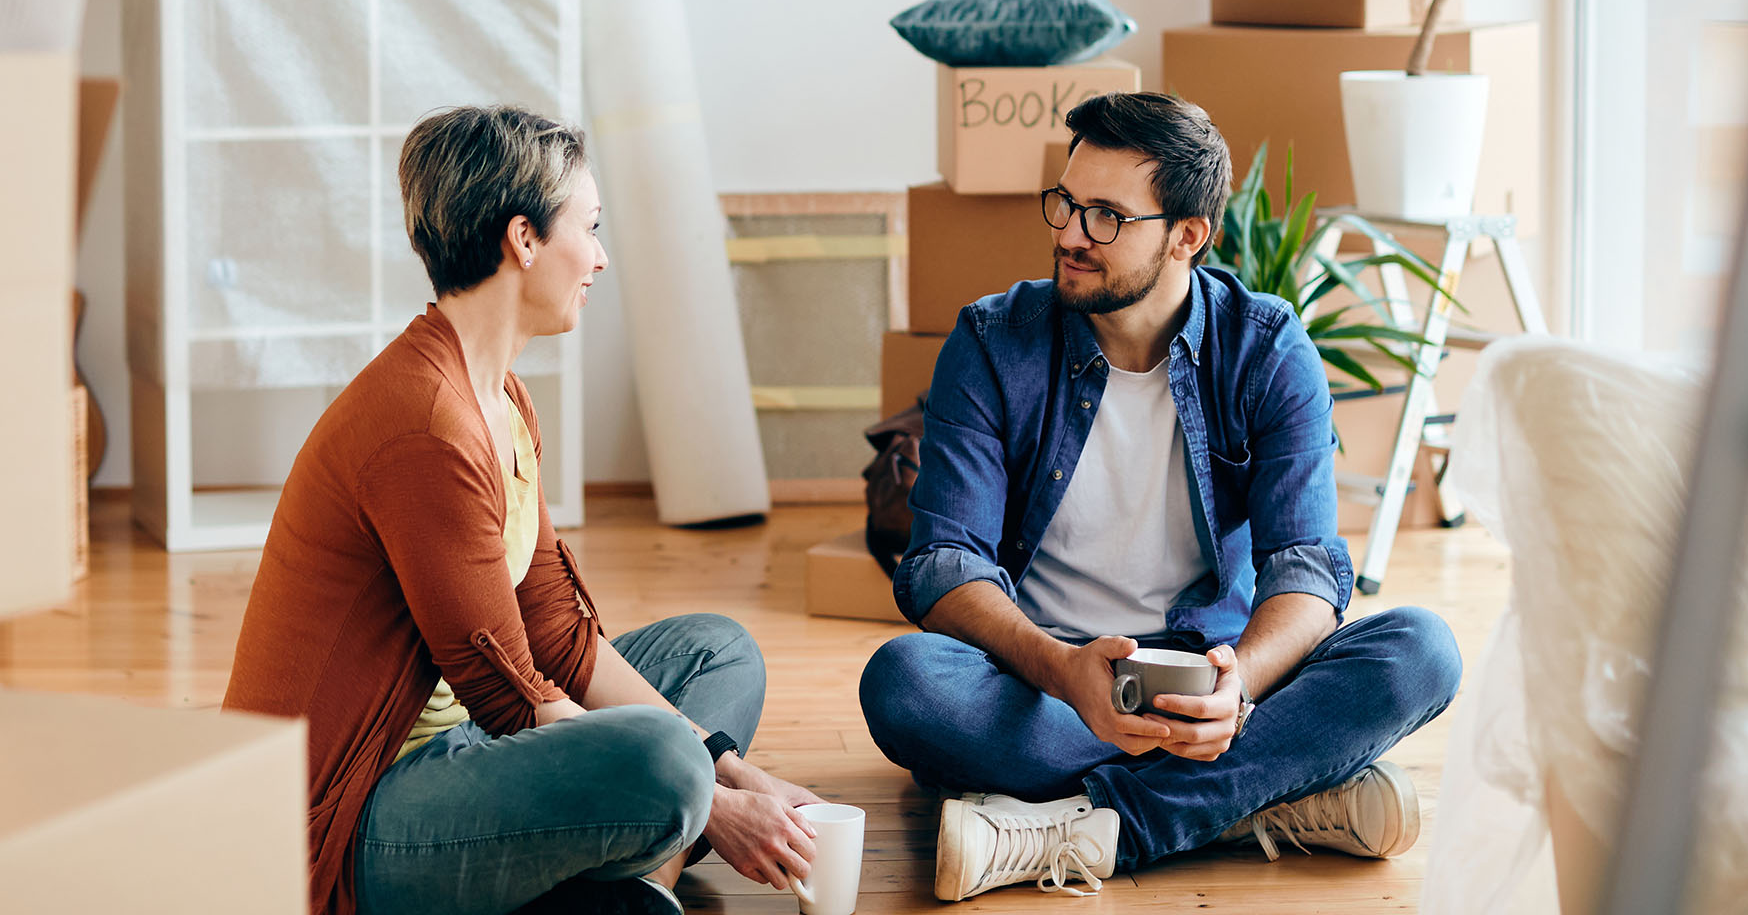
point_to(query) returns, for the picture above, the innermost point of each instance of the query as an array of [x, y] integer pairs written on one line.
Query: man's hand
[[1083, 680], [1206, 739], [761, 837]]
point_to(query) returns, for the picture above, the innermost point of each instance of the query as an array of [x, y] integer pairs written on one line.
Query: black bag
[[890, 476]]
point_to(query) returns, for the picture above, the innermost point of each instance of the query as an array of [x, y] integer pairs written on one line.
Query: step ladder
[[1422, 424]]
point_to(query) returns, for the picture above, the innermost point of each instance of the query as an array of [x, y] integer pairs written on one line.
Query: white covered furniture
[[1578, 460]]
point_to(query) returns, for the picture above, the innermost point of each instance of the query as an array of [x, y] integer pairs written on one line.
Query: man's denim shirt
[[1013, 399]]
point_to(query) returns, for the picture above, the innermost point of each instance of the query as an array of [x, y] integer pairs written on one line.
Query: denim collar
[[1083, 347]]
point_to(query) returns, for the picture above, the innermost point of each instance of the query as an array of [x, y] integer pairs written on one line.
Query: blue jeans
[[954, 717], [469, 823]]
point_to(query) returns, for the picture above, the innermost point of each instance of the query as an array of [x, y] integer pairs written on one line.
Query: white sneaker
[[1375, 814], [991, 840]]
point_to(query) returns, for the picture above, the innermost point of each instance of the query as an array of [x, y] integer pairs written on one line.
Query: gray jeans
[[469, 823]]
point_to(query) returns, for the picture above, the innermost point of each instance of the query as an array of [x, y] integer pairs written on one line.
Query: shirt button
[[1086, 405], [1020, 545], [1099, 363], [1055, 474], [1075, 367]]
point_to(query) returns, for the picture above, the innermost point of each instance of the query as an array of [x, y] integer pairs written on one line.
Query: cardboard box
[[907, 363], [1291, 93], [1055, 163], [966, 246], [36, 258], [1348, 14], [109, 807], [993, 123], [844, 580]]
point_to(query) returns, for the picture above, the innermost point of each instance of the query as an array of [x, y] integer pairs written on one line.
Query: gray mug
[[1151, 672]]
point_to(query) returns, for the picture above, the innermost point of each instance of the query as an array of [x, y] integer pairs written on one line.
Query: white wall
[[102, 351], [833, 100]]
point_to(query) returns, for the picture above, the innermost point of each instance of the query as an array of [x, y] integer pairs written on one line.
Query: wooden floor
[[159, 630]]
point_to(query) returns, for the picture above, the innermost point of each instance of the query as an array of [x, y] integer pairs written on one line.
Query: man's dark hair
[[1192, 171]]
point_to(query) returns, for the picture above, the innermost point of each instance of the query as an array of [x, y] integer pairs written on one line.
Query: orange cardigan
[[385, 566]]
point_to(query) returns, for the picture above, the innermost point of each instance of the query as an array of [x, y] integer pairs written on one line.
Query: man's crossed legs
[[947, 712]]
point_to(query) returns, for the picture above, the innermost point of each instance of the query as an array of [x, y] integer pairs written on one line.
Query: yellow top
[[521, 528]]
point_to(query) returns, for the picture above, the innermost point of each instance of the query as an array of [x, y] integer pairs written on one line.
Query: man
[[1139, 453]]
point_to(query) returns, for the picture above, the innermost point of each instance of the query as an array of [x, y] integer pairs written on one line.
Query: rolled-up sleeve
[[1305, 569], [1292, 498], [960, 497], [923, 579]]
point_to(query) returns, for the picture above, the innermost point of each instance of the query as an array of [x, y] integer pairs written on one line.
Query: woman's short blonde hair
[[466, 172]]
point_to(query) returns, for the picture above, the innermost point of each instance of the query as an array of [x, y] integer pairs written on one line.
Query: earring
[[528, 263]]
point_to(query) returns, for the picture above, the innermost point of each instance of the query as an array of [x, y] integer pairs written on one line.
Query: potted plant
[[1414, 137], [1277, 253]]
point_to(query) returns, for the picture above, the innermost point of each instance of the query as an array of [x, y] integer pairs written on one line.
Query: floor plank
[[159, 630]]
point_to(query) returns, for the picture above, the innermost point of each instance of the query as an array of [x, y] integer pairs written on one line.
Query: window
[[1661, 170]]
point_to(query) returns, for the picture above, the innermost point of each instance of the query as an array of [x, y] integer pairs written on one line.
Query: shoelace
[[1310, 817], [1027, 846]]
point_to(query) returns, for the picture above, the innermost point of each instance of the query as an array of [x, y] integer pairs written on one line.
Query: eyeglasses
[[1100, 223]]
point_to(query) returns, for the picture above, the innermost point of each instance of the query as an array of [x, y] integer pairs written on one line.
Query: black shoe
[[632, 896]]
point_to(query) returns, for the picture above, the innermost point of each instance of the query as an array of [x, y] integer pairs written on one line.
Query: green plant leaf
[[1372, 332], [1406, 363], [1351, 280], [1244, 203], [1286, 254], [1253, 178], [1309, 250], [1365, 227], [1316, 327], [1348, 364], [1288, 199], [1409, 264], [1326, 284]]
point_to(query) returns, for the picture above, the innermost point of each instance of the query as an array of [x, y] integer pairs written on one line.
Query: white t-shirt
[[1122, 545]]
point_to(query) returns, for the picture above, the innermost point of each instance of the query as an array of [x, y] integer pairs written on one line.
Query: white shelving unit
[[267, 257]]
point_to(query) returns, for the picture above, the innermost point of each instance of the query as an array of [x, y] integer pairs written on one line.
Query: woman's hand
[[754, 824], [763, 838], [735, 772]]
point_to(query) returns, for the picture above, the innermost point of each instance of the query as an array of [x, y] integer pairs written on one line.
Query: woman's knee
[[730, 645], [669, 771]]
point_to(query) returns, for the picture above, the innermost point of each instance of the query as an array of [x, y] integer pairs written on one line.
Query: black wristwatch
[[1246, 705], [718, 744]]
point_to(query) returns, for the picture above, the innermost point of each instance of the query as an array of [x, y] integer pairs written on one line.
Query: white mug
[[832, 884]]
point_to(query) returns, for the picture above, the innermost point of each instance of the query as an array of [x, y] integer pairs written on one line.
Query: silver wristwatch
[[1246, 705]]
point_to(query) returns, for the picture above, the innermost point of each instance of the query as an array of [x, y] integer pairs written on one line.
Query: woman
[[414, 605]]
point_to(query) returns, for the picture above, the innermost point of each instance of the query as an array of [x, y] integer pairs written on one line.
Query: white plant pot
[[1414, 142]]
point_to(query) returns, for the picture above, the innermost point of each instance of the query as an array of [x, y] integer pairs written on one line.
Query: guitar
[[96, 430]]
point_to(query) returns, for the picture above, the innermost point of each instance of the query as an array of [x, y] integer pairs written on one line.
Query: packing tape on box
[[694, 391], [768, 248], [816, 397]]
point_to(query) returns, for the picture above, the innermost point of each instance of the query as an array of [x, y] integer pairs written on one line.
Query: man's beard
[[1117, 293]]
